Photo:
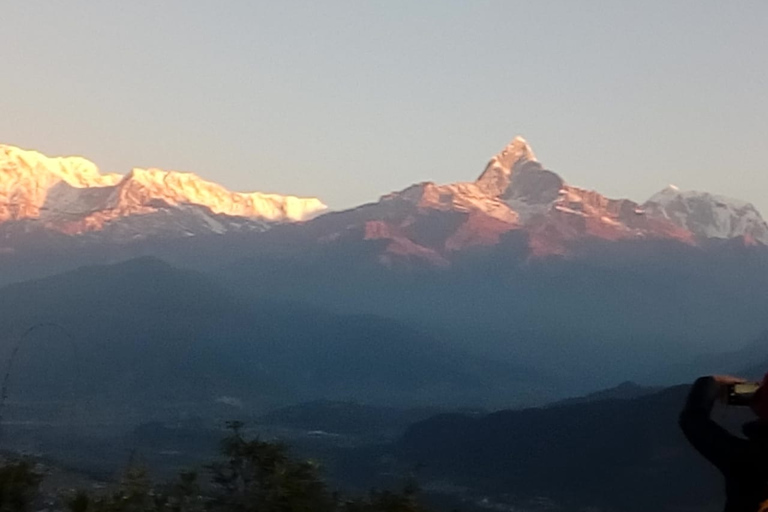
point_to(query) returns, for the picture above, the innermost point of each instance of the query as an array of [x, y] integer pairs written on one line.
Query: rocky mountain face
[[69, 195], [424, 224], [709, 216], [432, 223]]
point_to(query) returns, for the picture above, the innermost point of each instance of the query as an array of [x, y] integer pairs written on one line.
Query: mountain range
[[157, 295], [623, 455], [425, 223], [516, 267], [433, 223], [69, 195], [125, 339]]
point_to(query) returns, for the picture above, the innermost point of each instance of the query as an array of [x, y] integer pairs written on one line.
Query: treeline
[[252, 476]]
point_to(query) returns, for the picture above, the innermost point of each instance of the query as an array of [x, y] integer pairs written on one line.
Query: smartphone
[[741, 394]]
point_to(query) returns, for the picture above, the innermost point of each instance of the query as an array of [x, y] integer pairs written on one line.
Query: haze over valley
[[162, 299], [381, 256]]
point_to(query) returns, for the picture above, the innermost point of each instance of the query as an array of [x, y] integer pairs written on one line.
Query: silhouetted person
[[743, 462]]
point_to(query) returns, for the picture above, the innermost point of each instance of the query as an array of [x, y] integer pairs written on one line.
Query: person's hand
[[724, 382], [727, 380]]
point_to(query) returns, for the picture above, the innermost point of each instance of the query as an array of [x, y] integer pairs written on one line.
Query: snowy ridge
[[429, 222], [708, 215], [70, 195], [497, 175], [426, 222]]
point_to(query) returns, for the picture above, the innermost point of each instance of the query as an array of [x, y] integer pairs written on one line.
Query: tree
[[134, 494], [255, 476], [260, 476], [19, 483], [388, 501]]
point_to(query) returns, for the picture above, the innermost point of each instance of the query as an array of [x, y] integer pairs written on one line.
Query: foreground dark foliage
[[253, 476], [580, 456], [18, 485]]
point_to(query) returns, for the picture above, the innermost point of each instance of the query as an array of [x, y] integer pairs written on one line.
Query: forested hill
[[619, 455]]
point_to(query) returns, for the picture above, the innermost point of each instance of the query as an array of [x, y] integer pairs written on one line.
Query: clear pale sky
[[349, 100]]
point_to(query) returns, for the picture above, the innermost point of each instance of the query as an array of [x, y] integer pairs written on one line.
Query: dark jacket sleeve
[[714, 442]]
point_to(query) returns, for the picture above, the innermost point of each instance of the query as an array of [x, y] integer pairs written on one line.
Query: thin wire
[[4, 390]]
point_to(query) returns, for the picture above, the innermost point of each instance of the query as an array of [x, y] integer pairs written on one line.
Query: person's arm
[[711, 440]]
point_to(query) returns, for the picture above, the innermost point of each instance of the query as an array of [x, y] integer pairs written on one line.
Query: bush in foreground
[[253, 476]]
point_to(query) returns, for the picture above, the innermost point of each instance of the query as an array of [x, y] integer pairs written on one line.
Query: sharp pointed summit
[[428, 223], [497, 175], [432, 223]]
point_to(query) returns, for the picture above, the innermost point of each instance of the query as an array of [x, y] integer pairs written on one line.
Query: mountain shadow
[[143, 332], [621, 455]]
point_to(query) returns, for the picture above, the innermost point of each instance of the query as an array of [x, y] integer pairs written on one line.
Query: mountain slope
[[622, 455], [143, 332], [708, 216], [70, 195], [434, 224], [61, 204]]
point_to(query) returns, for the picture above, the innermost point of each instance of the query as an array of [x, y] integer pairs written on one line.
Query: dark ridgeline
[[623, 455], [147, 333], [511, 290]]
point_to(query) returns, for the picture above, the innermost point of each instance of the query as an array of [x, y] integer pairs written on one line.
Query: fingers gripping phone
[[741, 394]]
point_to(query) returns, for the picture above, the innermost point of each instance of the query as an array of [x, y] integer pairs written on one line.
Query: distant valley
[[148, 308]]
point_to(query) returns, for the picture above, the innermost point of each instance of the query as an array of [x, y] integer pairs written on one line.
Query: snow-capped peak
[[515, 192], [75, 170], [70, 194], [497, 175], [515, 151], [141, 186], [27, 176], [708, 215]]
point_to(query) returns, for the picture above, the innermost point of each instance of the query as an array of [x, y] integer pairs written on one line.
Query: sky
[[347, 100]]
